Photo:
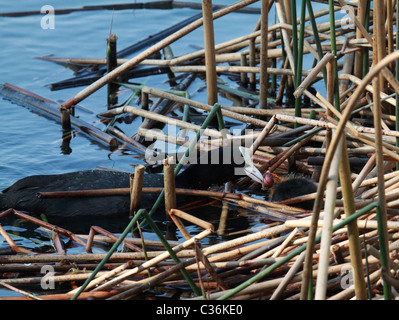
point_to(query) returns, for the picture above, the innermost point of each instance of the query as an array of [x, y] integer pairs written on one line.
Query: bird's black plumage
[[214, 167], [22, 195], [292, 188]]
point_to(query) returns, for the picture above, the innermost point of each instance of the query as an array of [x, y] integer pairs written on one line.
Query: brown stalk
[[136, 186], [43, 224]]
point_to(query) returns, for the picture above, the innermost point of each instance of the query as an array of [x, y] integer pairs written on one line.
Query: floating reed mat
[[217, 269]]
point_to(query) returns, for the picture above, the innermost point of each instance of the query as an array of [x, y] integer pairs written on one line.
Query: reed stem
[[384, 255], [136, 186], [166, 245], [353, 232], [382, 213], [209, 41], [263, 76], [329, 210], [110, 252], [334, 52], [170, 196], [296, 252], [299, 61]]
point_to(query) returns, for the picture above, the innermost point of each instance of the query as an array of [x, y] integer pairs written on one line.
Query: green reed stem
[[384, 258], [316, 36], [304, 136], [166, 245], [366, 50], [216, 110], [297, 251], [353, 230], [299, 57], [110, 252], [334, 52]]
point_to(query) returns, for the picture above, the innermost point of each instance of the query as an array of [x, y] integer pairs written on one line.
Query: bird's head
[[267, 180]]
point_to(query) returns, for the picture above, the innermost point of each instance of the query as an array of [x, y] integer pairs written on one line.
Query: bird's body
[[292, 188], [22, 195], [214, 167]]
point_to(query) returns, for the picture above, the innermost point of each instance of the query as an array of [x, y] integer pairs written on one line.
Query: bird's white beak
[[254, 174], [250, 169]]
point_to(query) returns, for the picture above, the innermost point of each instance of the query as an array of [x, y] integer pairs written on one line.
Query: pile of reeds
[[266, 264], [346, 247]]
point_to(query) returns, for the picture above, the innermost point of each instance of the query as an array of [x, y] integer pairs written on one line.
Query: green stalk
[[110, 252], [216, 110], [186, 115], [144, 248], [304, 136], [366, 51], [334, 52], [383, 250], [316, 36], [297, 251], [299, 63], [171, 252], [353, 231]]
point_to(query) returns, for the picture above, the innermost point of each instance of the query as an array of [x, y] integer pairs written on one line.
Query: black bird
[[295, 187], [22, 195], [214, 167]]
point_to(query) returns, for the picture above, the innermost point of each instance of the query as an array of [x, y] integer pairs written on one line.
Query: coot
[[214, 167], [295, 187]]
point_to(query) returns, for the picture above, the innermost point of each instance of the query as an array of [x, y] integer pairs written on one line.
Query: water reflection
[[66, 143]]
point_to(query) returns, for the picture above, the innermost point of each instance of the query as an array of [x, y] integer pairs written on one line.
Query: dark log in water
[[50, 109]]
